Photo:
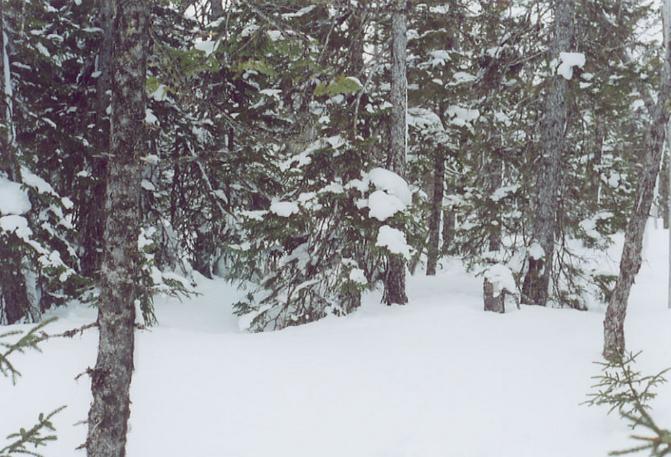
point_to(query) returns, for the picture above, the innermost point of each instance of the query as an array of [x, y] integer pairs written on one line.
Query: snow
[[13, 199], [501, 278], [424, 118], [568, 60], [15, 224], [150, 118], [393, 240], [536, 251], [383, 206], [391, 183], [462, 117], [438, 377], [299, 13], [358, 276], [274, 35], [32, 180], [207, 46], [283, 209]]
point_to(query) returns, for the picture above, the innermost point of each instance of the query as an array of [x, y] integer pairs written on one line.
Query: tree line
[[311, 151]]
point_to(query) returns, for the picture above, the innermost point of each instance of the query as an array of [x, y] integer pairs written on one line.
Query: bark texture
[[92, 213], [111, 378], [630, 262], [494, 303], [553, 132], [433, 252], [216, 9], [15, 304], [394, 291]]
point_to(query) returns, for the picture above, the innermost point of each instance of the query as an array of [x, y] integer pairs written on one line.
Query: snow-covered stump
[[494, 303], [498, 282]]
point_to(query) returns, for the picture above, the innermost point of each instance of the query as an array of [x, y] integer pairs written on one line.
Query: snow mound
[[383, 206], [393, 240], [501, 279], [391, 183], [568, 60], [13, 199], [284, 209]]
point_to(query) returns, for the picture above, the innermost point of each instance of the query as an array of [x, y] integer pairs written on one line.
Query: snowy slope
[[436, 378]]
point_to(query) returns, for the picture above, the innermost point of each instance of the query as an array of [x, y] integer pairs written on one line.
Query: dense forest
[[312, 153]]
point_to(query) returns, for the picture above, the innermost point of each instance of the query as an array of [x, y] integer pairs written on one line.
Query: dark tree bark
[[436, 212], [394, 290], [553, 132], [216, 9], [111, 377], [595, 163], [92, 213], [663, 200], [630, 263], [494, 303], [14, 300], [493, 177]]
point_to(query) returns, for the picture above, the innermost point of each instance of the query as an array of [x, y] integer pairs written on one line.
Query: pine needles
[[38, 435], [624, 389], [28, 341], [42, 432]]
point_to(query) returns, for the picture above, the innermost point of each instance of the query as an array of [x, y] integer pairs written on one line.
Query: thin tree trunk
[[596, 161], [663, 191], [537, 280], [15, 304], [216, 9], [92, 212], [630, 263], [449, 224], [394, 292], [111, 378], [493, 176], [668, 207], [436, 213]]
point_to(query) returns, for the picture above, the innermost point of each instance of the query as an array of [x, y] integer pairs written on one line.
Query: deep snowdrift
[[438, 377]]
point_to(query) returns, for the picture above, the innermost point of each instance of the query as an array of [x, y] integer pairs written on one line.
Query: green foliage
[[29, 340], [627, 391], [39, 435], [26, 441], [340, 85]]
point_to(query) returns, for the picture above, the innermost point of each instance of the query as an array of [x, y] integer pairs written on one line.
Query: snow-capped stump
[[498, 283]]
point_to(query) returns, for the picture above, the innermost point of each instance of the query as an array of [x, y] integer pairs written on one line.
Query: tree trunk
[[111, 378], [493, 177], [595, 166], [630, 263], [537, 280], [15, 303], [92, 213], [394, 292], [436, 212], [663, 191], [494, 303], [216, 9]]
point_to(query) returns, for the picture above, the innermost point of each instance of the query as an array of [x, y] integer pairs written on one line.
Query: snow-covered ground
[[438, 377]]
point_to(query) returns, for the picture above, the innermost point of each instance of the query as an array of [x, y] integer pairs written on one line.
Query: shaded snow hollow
[[436, 378]]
